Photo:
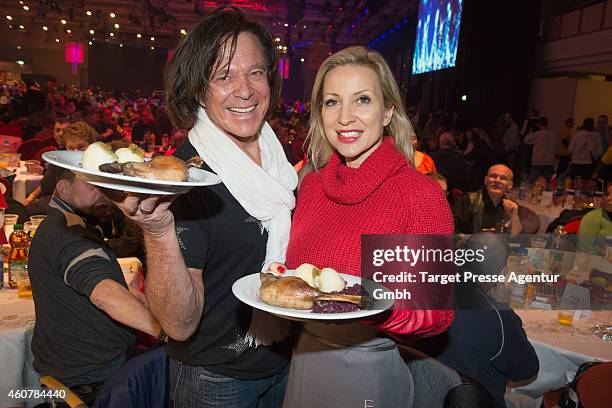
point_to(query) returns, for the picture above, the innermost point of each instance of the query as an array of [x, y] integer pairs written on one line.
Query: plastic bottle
[[18, 259], [517, 267], [523, 187]]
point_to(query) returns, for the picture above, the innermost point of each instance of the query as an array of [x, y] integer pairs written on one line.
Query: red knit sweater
[[385, 195]]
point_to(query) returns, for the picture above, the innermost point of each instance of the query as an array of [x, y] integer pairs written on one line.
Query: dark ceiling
[[297, 23]]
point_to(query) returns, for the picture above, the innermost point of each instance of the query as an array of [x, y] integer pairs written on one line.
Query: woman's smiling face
[[353, 112]]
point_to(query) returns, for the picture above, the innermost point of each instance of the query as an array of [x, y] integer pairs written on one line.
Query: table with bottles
[[569, 321], [24, 182]]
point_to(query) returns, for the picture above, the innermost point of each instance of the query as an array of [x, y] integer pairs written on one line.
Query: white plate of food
[[73, 160], [249, 290]]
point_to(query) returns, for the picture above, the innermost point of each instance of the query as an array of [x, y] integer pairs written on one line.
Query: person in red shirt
[[364, 182]]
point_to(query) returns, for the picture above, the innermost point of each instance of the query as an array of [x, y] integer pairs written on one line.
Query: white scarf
[[265, 192]]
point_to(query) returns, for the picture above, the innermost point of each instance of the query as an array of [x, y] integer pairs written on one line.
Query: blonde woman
[[363, 182]]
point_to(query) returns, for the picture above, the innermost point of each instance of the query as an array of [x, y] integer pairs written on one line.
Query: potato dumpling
[[97, 154], [308, 273]]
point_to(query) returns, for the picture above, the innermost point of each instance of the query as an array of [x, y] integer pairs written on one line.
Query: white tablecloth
[[24, 183], [16, 329], [562, 349]]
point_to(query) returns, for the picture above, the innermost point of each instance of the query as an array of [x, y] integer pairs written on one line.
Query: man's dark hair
[[588, 124], [188, 73]]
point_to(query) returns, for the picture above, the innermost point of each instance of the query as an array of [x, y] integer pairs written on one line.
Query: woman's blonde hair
[[79, 130], [400, 129]]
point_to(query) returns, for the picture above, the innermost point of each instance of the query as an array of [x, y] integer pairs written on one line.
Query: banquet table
[[24, 182], [562, 349], [17, 319], [544, 213]]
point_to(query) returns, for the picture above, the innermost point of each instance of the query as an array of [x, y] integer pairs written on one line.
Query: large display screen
[[437, 35]]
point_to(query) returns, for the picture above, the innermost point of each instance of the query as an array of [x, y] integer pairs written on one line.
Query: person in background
[[511, 140], [480, 154], [566, 136], [363, 182], [75, 137], [585, 148], [486, 341], [604, 130], [78, 136], [450, 163], [147, 126], [604, 167], [595, 226], [489, 209], [422, 161], [84, 310], [530, 124], [545, 147], [58, 130]]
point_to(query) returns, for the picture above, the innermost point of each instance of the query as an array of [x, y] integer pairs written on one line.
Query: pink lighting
[[75, 55], [245, 4], [283, 67]]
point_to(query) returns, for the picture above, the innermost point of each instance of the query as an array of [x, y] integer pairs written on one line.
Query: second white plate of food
[[246, 289], [72, 161]]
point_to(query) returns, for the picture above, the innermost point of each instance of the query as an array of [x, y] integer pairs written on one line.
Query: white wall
[[592, 99], [554, 97]]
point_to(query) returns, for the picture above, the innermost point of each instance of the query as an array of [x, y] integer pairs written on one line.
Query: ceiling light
[[183, 32], [63, 21], [26, 8], [277, 39], [91, 32], [20, 62], [301, 59], [20, 26], [45, 28], [152, 47], [112, 34], [69, 31], [90, 43], [121, 45], [116, 25], [19, 47], [280, 47], [9, 17], [285, 48], [112, 15], [152, 38], [138, 35], [88, 13], [286, 25], [57, 40], [305, 26]]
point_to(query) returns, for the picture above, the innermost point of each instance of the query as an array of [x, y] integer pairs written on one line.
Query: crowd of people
[[363, 169]]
